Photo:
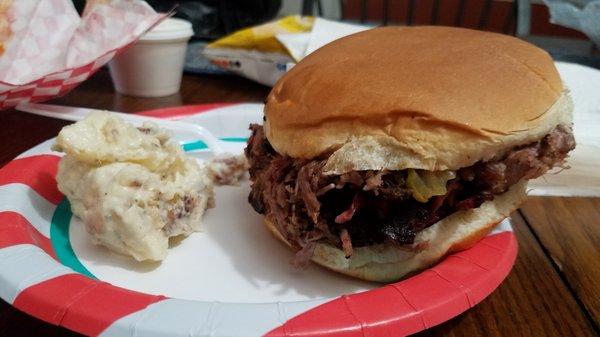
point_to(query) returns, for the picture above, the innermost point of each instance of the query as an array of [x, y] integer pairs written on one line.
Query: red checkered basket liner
[[51, 49]]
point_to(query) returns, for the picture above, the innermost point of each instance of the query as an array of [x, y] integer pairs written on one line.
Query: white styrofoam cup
[[153, 66]]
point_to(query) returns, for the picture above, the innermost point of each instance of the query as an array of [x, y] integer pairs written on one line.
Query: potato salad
[[134, 188]]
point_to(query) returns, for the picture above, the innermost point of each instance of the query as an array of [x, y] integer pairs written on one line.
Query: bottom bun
[[388, 263]]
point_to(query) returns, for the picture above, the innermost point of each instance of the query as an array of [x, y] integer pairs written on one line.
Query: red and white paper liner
[[53, 85], [34, 282], [51, 50]]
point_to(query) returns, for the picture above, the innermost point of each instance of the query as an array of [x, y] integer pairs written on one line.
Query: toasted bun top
[[441, 97]]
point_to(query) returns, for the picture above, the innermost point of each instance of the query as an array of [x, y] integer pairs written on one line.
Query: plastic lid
[[169, 29]]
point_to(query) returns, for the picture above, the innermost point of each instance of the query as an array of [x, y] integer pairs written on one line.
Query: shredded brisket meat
[[361, 208]]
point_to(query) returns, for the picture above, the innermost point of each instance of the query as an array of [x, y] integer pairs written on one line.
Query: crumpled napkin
[[582, 15], [323, 32], [583, 176]]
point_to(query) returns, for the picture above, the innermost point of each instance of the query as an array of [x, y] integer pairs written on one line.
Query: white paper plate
[[231, 279]]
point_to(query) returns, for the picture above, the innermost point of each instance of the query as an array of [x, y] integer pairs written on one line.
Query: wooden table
[[553, 290]]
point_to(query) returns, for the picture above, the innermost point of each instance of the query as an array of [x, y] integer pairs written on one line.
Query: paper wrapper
[[48, 49], [255, 53], [264, 53]]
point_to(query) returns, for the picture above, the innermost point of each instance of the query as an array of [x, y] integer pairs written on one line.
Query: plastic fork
[[192, 131]]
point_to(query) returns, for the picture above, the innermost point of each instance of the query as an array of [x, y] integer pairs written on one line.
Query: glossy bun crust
[[431, 98]]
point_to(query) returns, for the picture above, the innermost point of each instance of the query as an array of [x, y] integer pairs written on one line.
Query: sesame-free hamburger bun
[[427, 99]]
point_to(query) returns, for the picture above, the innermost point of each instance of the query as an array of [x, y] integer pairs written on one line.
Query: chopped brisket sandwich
[[386, 150]]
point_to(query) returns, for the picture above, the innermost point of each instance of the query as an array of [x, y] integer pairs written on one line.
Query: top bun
[[432, 98]]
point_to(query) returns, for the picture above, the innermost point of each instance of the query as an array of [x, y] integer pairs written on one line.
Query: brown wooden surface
[[532, 301], [553, 290], [569, 230]]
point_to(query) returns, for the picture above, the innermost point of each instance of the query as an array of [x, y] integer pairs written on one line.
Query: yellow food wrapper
[[255, 52]]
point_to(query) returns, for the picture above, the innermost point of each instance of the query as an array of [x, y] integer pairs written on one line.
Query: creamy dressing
[[134, 188], [227, 169]]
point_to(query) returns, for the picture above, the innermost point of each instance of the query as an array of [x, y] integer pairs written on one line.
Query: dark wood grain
[[532, 301], [537, 299], [98, 93], [23, 131], [569, 229], [14, 323]]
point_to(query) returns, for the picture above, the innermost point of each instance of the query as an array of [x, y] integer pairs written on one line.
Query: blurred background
[[527, 19]]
